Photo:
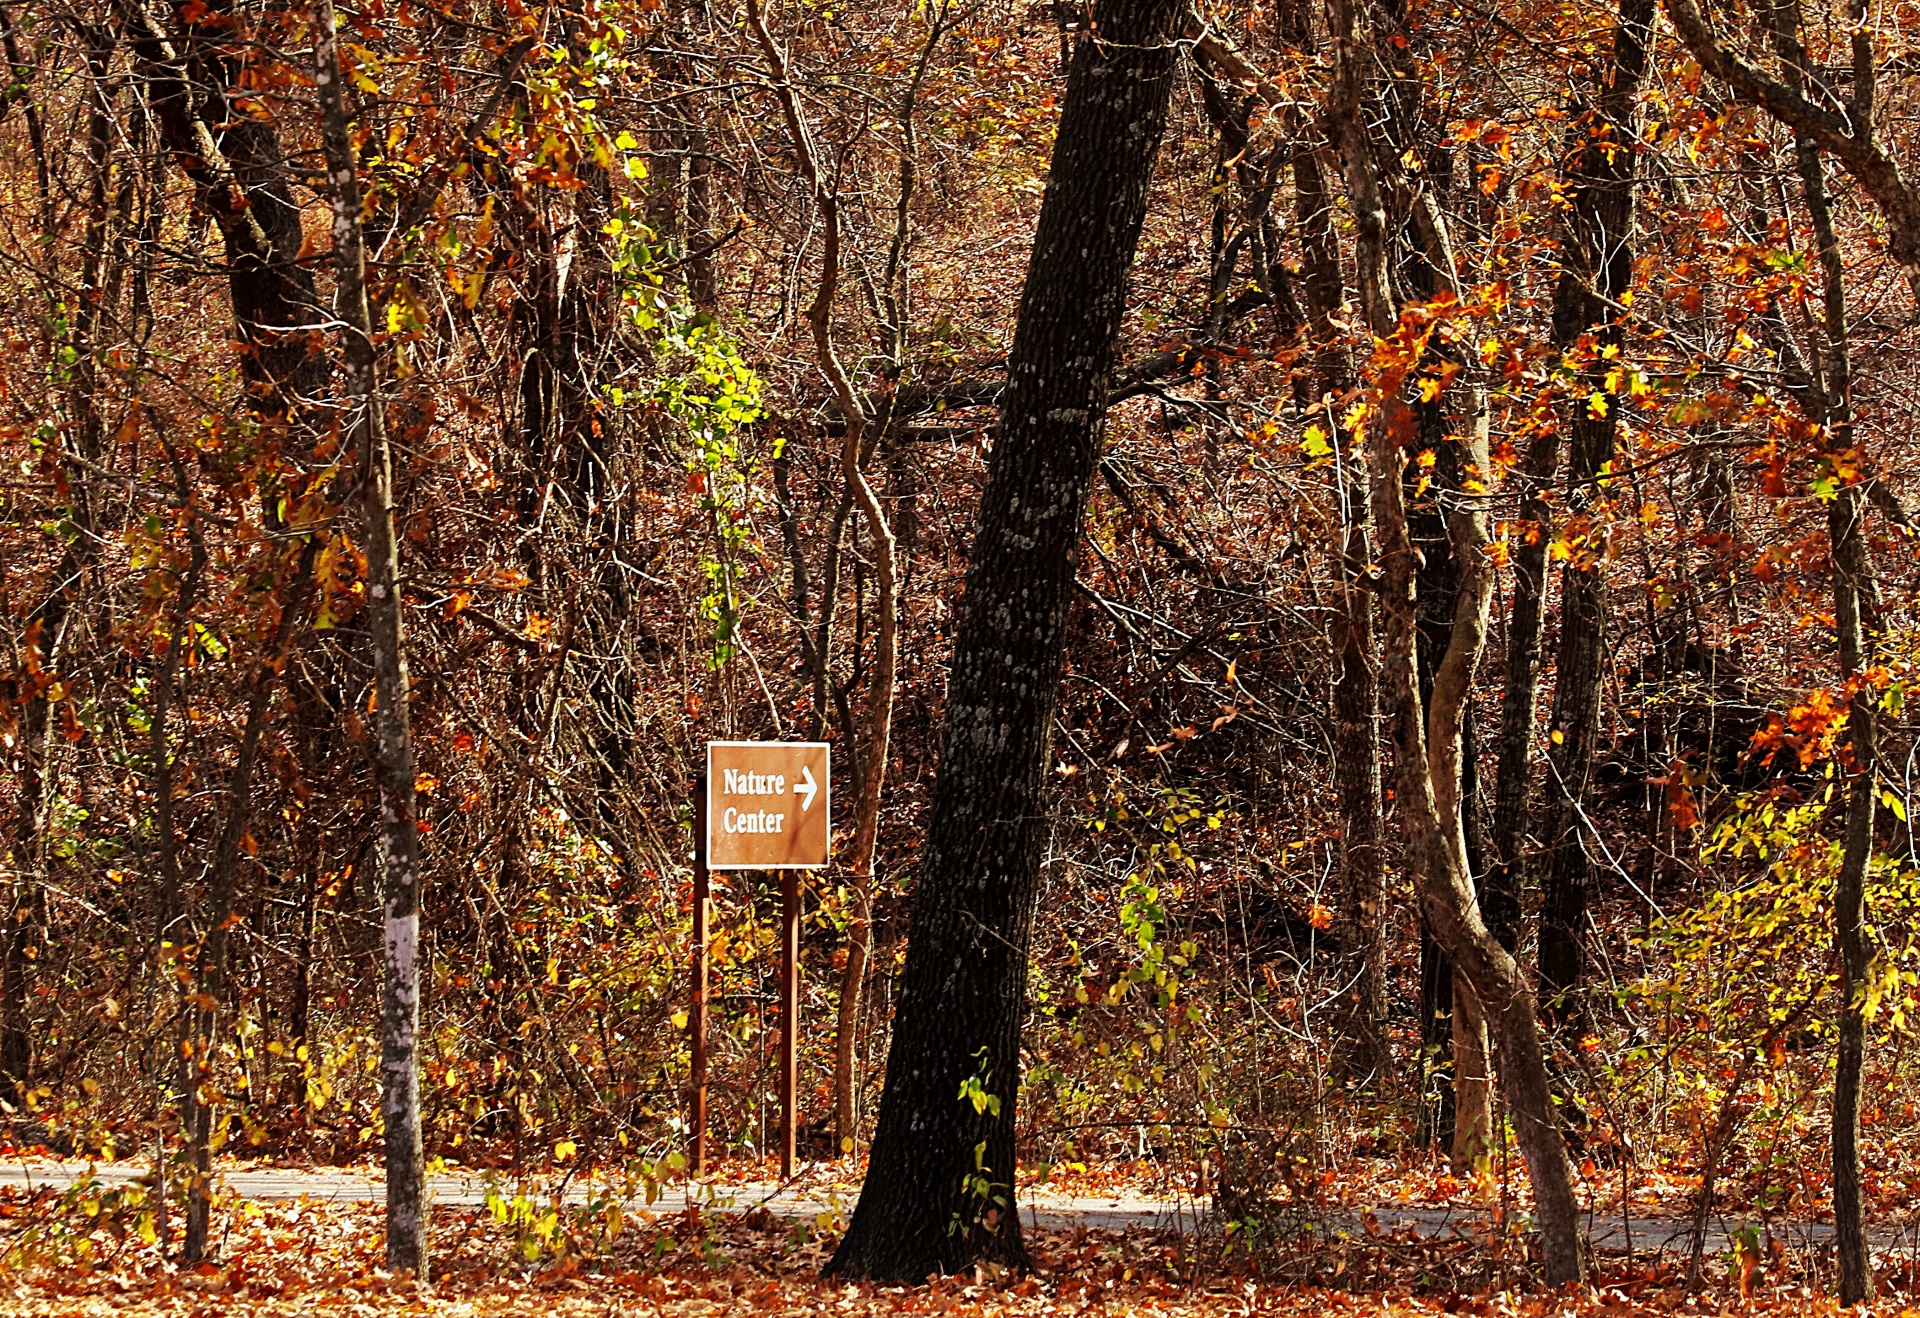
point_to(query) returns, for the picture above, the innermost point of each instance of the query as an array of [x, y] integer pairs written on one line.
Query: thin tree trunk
[[300, 1013], [1429, 740], [392, 742], [939, 1189], [879, 703], [1599, 269], [210, 976], [48, 627], [1364, 1049], [171, 898], [895, 551], [1526, 631], [1856, 609], [28, 862]]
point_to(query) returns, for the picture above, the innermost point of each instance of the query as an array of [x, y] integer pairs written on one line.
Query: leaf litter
[[311, 1257]]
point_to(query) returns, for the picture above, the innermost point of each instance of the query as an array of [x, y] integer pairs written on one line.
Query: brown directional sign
[[768, 806]]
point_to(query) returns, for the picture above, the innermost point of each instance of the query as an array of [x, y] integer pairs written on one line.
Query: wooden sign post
[[761, 805], [697, 1008]]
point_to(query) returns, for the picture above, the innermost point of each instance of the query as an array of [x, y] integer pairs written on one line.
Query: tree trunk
[[1856, 611], [1364, 1049], [1598, 270], [886, 648], [939, 1189], [1472, 1080], [48, 627], [392, 743], [1366, 1053], [1429, 740], [1526, 630], [1454, 1029], [210, 973], [1433, 1117], [240, 180], [171, 897]]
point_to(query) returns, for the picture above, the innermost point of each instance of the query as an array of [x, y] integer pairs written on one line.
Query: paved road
[[797, 1200], [1608, 1232]]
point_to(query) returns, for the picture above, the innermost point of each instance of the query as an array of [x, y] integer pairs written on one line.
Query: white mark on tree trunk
[[403, 942]]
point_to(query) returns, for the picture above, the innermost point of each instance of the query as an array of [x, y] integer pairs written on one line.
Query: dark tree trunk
[[240, 179], [1599, 269], [1526, 629], [300, 1012], [1856, 611], [1433, 1124], [1436, 586], [939, 1188], [1366, 1052]]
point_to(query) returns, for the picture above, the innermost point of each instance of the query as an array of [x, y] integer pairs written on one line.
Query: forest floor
[[292, 1241]]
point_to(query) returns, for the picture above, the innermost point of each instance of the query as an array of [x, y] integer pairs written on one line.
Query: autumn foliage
[[626, 526]]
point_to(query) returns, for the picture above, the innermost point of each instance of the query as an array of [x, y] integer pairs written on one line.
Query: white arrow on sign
[[806, 787]]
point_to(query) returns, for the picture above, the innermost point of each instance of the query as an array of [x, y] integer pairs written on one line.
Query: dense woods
[[1355, 559]]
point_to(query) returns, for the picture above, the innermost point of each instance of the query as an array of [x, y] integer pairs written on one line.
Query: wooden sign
[[768, 805]]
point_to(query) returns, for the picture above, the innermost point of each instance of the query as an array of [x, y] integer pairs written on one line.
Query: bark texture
[[238, 168], [392, 741], [939, 1189]]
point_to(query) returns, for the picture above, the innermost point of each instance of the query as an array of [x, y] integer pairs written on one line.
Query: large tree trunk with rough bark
[[939, 1188], [363, 419]]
